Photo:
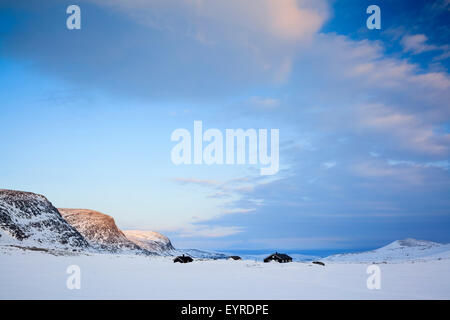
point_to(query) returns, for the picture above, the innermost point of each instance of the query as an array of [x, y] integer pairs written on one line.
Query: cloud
[[268, 30], [230, 187], [365, 66], [206, 231], [237, 210], [405, 174], [371, 96], [299, 242], [151, 49], [329, 164], [228, 194], [416, 43], [408, 129], [283, 20], [440, 5], [197, 181], [264, 103], [341, 99], [360, 107], [437, 164]]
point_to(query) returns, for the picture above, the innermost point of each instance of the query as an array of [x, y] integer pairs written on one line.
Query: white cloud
[[416, 43], [206, 231], [201, 182], [264, 103], [329, 164], [237, 210], [433, 164], [409, 129], [369, 93]]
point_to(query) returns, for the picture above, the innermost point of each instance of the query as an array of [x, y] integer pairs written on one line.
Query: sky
[[364, 117]]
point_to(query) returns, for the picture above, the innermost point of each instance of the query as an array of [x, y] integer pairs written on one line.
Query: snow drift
[[35, 275]]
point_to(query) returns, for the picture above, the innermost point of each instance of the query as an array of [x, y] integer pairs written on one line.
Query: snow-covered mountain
[[398, 251], [201, 254], [101, 231], [160, 244], [151, 241], [30, 220]]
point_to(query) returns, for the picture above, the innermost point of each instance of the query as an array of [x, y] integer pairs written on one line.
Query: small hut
[[183, 259], [278, 257], [235, 258]]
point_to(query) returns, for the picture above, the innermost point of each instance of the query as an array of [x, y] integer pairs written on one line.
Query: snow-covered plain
[[39, 275]]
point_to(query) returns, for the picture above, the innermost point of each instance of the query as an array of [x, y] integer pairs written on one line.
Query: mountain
[[398, 251], [151, 241], [158, 243], [30, 220], [201, 254], [101, 231]]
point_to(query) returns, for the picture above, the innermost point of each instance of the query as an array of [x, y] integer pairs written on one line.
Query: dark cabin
[[278, 257], [183, 259], [235, 257]]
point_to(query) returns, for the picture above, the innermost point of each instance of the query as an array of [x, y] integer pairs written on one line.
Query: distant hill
[[201, 254], [151, 241], [398, 251]]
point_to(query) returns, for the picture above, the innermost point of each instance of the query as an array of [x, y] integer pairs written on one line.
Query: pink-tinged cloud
[[270, 31], [409, 130]]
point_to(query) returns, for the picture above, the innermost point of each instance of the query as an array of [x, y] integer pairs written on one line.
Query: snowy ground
[[37, 275]]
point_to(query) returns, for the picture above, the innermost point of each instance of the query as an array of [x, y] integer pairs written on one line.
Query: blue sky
[[363, 116]]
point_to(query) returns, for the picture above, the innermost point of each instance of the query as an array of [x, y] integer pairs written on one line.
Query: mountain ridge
[[101, 231], [408, 249]]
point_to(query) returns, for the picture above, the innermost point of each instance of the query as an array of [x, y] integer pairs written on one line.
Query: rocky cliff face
[[151, 241], [101, 231], [29, 219]]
